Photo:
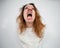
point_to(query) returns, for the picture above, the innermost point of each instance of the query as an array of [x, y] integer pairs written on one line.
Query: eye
[[26, 7], [33, 8]]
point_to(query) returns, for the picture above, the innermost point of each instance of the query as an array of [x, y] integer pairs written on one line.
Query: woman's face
[[29, 14]]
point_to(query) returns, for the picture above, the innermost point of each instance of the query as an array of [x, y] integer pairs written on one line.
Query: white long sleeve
[[29, 39]]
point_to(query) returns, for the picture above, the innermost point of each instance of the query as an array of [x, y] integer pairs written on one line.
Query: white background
[[50, 12]]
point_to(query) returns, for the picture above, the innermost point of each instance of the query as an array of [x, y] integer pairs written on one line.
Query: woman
[[30, 26]]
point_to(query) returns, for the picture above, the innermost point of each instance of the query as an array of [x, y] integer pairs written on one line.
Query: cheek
[[25, 14], [33, 15]]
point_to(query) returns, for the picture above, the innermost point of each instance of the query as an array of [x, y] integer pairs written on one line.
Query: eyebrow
[[27, 7]]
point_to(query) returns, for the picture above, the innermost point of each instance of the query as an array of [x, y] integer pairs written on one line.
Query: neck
[[29, 25]]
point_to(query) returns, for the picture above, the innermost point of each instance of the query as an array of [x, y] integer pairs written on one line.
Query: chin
[[29, 21]]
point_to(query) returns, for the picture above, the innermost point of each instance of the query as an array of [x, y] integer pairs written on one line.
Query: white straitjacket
[[29, 39]]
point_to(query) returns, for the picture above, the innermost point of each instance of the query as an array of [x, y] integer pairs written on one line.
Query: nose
[[29, 9]]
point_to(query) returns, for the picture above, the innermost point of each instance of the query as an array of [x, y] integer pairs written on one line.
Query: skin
[[29, 9]]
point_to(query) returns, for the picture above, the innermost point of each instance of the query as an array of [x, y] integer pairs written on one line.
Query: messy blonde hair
[[37, 24]]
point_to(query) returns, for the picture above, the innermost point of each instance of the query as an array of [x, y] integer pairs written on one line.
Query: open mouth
[[29, 15]]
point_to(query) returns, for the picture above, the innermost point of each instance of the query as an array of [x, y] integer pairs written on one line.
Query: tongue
[[29, 17]]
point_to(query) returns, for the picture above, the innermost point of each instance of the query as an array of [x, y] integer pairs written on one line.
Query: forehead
[[29, 6]]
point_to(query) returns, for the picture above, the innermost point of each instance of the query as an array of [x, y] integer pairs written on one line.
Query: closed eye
[[33, 8], [26, 8]]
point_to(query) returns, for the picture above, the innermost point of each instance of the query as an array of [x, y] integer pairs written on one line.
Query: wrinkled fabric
[[29, 39]]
